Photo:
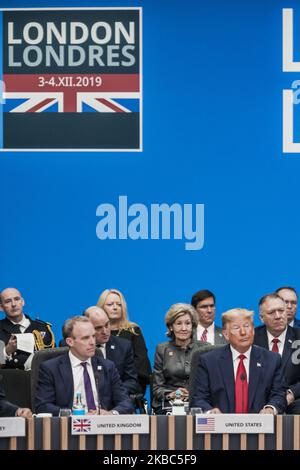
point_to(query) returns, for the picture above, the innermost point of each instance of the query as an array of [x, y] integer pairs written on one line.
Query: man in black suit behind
[[290, 297], [118, 350], [277, 336]]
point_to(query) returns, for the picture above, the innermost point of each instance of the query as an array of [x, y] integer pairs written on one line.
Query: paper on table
[[25, 342]]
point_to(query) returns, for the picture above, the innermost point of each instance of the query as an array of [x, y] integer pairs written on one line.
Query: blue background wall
[[212, 81]]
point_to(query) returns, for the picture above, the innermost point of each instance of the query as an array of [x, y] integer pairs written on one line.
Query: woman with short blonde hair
[[173, 358]]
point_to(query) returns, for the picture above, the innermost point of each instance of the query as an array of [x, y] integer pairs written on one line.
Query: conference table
[[165, 433]]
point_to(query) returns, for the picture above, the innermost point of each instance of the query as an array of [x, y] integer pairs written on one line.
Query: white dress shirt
[[103, 349], [280, 343], [210, 333], [77, 371], [236, 360]]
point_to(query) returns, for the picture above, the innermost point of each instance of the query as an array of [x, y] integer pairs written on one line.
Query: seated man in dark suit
[[79, 370], [9, 409], [290, 297], [118, 350], [277, 336], [239, 377]]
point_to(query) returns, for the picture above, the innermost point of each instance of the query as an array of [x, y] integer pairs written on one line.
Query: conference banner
[[71, 79]]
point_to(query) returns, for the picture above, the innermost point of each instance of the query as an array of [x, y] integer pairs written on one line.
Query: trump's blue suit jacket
[[215, 385], [55, 387]]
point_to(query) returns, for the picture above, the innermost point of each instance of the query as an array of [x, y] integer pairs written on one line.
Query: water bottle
[[78, 407], [178, 404]]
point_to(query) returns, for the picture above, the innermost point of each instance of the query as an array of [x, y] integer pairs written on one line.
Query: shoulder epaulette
[[38, 320]]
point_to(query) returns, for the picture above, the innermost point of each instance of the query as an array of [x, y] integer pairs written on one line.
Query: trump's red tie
[[241, 387], [275, 342]]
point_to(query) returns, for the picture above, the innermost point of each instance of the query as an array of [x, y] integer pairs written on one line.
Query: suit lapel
[[65, 370], [287, 348], [110, 349], [99, 378], [256, 367], [227, 374]]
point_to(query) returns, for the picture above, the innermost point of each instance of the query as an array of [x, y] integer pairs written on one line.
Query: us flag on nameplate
[[71, 79], [205, 424]]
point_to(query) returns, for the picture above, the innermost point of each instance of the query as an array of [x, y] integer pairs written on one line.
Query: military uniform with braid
[[43, 338]]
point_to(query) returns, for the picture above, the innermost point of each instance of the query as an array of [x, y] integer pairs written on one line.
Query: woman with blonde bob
[[173, 358], [114, 304]]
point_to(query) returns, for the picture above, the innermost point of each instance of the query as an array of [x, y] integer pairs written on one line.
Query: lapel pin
[[290, 341], [112, 346], [258, 364], [99, 367]]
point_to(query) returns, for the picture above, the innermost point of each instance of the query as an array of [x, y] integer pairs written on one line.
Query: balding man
[[277, 336], [118, 350], [290, 298], [239, 377], [12, 303]]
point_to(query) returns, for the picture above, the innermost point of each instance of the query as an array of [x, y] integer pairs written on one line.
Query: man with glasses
[[204, 303], [289, 295], [277, 336]]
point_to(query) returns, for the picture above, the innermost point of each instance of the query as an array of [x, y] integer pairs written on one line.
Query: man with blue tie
[[79, 370], [239, 377]]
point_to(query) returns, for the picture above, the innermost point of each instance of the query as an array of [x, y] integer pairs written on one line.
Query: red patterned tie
[[275, 342], [241, 387], [204, 335]]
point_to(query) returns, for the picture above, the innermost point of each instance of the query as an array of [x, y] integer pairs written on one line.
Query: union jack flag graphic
[[81, 425], [85, 102], [205, 424]]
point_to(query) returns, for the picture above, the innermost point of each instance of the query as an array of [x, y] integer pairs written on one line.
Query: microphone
[[243, 379]]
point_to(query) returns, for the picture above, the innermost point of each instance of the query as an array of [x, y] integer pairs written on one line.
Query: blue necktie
[[89, 396]]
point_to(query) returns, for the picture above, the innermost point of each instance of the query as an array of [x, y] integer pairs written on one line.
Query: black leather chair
[[194, 364], [38, 358], [16, 385]]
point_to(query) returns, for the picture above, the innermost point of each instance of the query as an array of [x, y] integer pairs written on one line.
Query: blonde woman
[[114, 304]]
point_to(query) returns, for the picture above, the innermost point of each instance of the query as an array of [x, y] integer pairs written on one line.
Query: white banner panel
[[112, 424], [12, 427], [234, 424]]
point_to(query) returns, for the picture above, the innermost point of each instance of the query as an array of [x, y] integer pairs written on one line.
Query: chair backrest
[[195, 360], [16, 385], [38, 358]]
